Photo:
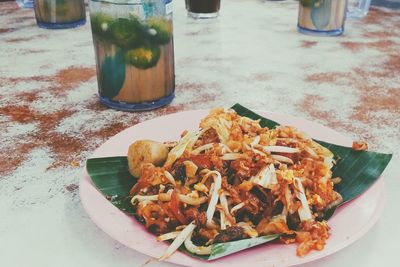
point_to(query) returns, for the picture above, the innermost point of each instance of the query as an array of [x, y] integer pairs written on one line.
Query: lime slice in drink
[[160, 30], [101, 25], [143, 57], [127, 33], [310, 3]]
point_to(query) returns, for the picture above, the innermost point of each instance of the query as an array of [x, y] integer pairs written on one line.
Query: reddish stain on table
[[323, 77], [110, 130], [63, 147], [26, 39], [190, 86], [381, 34], [381, 45], [372, 100], [391, 67], [372, 96], [379, 16], [314, 106], [4, 30], [21, 19], [261, 77], [96, 105], [308, 44], [68, 78]]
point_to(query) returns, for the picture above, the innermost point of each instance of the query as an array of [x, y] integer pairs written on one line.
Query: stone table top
[[51, 119]]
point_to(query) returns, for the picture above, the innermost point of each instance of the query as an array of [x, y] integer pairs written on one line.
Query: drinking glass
[[322, 17], [357, 8], [133, 43], [60, 14], [203, 9], [25, 3]]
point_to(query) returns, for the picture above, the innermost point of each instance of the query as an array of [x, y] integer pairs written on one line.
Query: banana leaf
[[358, 170]]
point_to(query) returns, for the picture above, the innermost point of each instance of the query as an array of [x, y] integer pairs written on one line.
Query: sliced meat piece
[[293, 221], [230, 234], [205, 234], [251, 203], [201, 161]]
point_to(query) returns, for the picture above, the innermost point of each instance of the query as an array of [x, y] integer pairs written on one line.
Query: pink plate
[[349, 223]]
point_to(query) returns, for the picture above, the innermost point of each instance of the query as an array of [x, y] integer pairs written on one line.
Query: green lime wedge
[[101, 25], [160, 30], [127, 33], [143, 57]]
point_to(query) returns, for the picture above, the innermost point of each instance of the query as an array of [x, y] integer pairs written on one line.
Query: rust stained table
[[51, 120]]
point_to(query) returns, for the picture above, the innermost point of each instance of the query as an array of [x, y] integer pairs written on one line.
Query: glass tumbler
[[25, 3], [60, 14], [357, 8], [322, 17], [203, 9], [133, 43]]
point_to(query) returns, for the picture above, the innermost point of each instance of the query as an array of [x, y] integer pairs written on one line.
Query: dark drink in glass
[[201, 9]]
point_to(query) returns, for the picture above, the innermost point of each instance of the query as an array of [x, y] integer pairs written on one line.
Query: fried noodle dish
[[232, 180]]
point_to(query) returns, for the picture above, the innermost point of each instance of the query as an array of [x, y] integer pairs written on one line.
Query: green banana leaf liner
[[358, 170]]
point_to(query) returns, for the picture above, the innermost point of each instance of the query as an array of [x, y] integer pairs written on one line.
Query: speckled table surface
[[51, 119]]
